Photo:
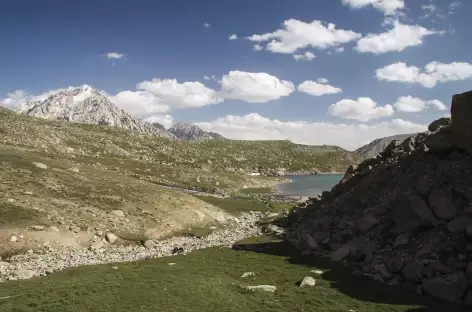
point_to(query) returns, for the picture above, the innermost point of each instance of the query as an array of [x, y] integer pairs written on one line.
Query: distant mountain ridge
[[186, 131], [377, 146], [87, 105]]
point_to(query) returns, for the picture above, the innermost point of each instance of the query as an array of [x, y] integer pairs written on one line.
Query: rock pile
[[405, 216], [49, 260]]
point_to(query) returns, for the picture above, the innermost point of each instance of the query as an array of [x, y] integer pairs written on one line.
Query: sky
[[336, 72]]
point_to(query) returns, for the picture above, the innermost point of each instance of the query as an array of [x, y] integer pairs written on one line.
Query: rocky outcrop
[[405, 216], [186, 131], [87, 105], [378, 145]]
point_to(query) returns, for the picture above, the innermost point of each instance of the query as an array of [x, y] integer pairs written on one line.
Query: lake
[[309, 185]]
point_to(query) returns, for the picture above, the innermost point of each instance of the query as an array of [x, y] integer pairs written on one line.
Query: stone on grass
[[118, 213], [246, 274], [319, 272], [37, 228], [172, 263], [13, 238], [308, 281], [149, 244], [267, 288], [24, 274], [39, 165], [111, 238]]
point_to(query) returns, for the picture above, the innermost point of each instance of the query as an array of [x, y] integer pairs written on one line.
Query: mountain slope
[[188, 131], [86, 105], [377, 146]]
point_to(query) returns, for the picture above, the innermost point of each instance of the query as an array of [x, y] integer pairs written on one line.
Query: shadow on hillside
[[358, 287]]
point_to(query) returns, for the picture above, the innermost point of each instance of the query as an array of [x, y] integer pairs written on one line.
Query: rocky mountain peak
[[85, 104], [187, 131]]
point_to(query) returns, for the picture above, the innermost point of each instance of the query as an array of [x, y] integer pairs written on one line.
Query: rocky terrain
[[405, 216], [87, 105], [375, 147], [186, 131], [103, 249]]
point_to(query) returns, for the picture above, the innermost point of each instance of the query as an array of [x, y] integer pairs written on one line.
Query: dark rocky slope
[[404, 217], [378, 145]]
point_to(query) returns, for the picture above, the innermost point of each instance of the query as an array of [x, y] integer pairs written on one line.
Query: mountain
[[188, 131], [87, 105], [377, 146]]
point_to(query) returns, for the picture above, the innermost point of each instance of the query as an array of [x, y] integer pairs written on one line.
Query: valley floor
[[210, 280]]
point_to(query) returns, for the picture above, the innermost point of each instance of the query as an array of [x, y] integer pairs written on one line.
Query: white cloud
[[18, 97], [317, 89], [396, 39], [453, 6], [433, 73], [233, 37], [115, 55], [254, 87], [322, 80], [429, 8], [411, 104], [165, 120], [339, 49], [388, 7], [206, 25], [206, 78], [362, 109], [307, 56], [175, 94], [350, 136], [139, 103], [299, 35], [258, 47]]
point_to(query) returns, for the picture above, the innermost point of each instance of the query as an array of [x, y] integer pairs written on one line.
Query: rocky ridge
[[375, 147], [405, 216], [48, 260], [188, 131], [87, 105]]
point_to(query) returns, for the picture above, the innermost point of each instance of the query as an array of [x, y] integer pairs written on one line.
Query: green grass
[[234, 205], [256, 190], [209, 280], [12, 215]]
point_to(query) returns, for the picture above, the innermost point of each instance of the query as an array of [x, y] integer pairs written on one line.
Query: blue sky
[[48, 45]]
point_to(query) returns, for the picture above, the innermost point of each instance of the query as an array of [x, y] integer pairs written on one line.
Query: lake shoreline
[[307, 185]]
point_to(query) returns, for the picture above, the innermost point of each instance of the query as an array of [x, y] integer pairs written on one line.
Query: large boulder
[[411, 213], [442, 204], [449, 287], [441, 122], [461, 113]]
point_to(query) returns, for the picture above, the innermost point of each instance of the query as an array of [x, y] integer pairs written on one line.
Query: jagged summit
[[186, 131], [85, 104]]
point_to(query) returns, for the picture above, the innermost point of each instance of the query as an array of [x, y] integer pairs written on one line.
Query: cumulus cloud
[[258, 47], [396, 39], [165, 120], [297, 35], [411, 104], [16, 98], [362, 109], [233, 37], [307, 56], [254, 87], [350, 136], [322, 80], [433, 73], [139, 103], [388, 7], [178, 95], [206, 25], [115, 55], [317, 89]]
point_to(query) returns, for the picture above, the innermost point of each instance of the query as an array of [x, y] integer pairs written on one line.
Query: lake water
[[309, 185]]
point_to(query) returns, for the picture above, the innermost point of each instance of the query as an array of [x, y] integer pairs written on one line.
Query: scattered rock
[[442, 204], [246, 274], [37, 228], [40, 165], [111, 238], [13, 239], [341, 254], [172, 263], [383, 271], [441, 268], [24, 274], [449, 287], [459, 224], [414, 271], [365, 223], [267, 288], [74, 169], [308, 281], [401, 240], [118, 213], [53, 229], [114, 267], [319, 272], [97, 245], [28, 193], [75, 228], [149, 244]]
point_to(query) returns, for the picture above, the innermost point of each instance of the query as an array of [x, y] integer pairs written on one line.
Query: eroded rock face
[[404, 216]]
